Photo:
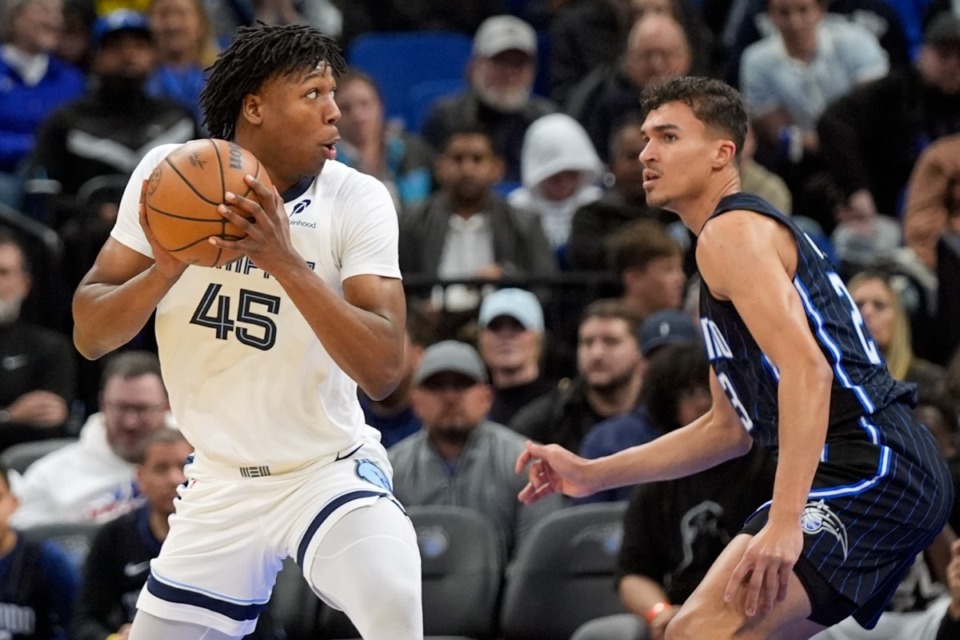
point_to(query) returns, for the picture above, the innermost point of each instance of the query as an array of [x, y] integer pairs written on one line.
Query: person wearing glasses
[[94, 479]]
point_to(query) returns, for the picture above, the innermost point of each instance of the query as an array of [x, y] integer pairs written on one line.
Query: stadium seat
[[462, 559], [20, 456], [422, 96], [563, 573], [400, 61]]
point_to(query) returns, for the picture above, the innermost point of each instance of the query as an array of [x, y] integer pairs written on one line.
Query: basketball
[[183, 193]]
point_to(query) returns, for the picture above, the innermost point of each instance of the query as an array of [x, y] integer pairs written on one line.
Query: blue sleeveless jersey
[[862, 385]]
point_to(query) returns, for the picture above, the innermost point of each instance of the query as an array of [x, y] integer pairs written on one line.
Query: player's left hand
[[265, 223], [763, 572]]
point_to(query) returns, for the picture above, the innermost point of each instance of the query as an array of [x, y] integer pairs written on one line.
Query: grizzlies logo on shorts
[[368, 470]]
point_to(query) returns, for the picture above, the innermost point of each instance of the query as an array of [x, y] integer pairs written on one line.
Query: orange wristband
[[656, 610]]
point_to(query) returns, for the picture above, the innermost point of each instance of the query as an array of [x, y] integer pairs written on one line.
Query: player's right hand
[[553, 469], [164, 261]]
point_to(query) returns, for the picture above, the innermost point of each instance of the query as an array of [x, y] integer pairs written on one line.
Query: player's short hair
[[258, 53], [714, 103], [130, 364], [158, 436]]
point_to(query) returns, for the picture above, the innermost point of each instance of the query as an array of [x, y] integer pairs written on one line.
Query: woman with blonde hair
[[882, 309]]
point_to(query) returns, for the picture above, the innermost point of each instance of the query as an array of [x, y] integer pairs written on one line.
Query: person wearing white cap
[[460, 457], [511, 343], [501, 73], [561, 171]]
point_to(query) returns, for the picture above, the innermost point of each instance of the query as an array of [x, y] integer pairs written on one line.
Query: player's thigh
[[706, 615]]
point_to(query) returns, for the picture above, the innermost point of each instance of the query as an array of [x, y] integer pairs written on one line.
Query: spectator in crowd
[[757, 179], [39, 581], [649, 264], [94, 479], [460, 457], [675, 391], [587, 38], [466, 230], [115, 115], [39, 369], [674, 530], [185, 47], [75, 39], [657, 49], [400, 159], [118, 563], [33, 82], [119, 559], [879, 303], [950, 626], [500, 99], [512, 343], [933, 199], [393, 416], [939, 416], [560, 171], [623, 202], [610, 372], [871, 138], [789, 78]]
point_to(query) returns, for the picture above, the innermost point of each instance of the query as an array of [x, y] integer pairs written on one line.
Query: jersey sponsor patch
[[817, 517], [368, 470]]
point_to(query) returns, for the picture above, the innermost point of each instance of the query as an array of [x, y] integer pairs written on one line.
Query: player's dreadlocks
[[256, 54]]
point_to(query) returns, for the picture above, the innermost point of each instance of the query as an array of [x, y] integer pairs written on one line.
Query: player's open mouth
[[649, 177], [330, 149]]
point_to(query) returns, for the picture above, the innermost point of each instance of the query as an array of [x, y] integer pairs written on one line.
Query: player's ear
[[724, 153], [250, 108]]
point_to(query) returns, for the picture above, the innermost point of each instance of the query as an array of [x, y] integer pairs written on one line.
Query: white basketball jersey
[[250, 384]]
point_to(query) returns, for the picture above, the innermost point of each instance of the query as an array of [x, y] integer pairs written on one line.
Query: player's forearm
[[702, 444], [804, 412], [367, 346], [107, 316]]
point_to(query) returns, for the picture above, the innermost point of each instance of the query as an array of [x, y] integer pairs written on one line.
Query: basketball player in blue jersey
[[860, 488], [262, 358]]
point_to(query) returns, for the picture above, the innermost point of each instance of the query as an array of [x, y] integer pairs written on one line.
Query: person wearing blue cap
[[511, 343], [108, 130]]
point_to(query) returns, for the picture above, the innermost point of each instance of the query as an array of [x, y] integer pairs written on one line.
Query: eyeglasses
[[138, 410]]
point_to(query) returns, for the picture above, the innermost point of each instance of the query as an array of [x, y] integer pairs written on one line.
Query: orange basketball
[[183, 194]]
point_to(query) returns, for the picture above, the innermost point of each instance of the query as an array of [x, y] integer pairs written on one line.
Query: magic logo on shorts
[[818, 517], [369, 471]]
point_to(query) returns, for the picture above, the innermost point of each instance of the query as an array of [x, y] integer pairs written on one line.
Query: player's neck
[[695, 212]]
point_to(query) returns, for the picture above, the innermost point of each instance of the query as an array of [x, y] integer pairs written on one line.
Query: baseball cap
[[668, 326], [519, 304], [503, 33], [453, 356], [120, 20], [943, 29]]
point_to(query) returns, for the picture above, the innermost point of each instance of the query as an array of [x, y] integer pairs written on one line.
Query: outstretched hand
[[553, 469], [764, 570]]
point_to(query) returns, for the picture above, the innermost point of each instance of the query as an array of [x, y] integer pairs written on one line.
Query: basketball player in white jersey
[[262, 358]]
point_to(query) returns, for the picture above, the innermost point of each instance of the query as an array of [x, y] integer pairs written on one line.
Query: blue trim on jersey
[[828, 342], [235, 610], [772, 368], [298, 189], [328, 509]]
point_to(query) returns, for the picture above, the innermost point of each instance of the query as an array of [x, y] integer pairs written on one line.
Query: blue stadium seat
[[423, 95], [400, 61]]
